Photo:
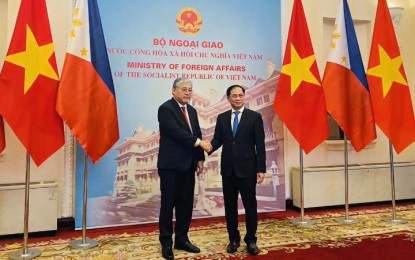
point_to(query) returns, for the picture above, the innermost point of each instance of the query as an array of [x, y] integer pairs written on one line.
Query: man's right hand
[[205, 145]]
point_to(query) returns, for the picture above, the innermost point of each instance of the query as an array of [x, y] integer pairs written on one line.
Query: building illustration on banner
[[137, 183]]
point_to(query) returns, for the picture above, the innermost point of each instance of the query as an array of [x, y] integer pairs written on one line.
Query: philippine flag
[[345, 85], [86, 96]]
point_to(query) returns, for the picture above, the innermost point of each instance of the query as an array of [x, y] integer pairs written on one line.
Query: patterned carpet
[[274, 235]]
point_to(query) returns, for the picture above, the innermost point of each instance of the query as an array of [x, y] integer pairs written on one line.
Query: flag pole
[[393, 220], [346, 220], [84, 243], [26, 253], [302, 221]]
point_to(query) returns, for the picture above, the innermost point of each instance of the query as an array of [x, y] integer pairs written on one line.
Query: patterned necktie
[[185, 116], [235, 123]]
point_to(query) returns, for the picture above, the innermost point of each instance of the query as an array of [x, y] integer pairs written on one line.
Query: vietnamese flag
[[389, 90], [299, 99], [30, 82], [345, 84], [86, 96]]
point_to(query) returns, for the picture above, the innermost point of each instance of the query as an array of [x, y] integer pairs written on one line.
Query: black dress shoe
[[233, 246], [167, 252], [187, 246], [252, 248]]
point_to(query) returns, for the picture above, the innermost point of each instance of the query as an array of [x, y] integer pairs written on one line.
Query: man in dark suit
[[241, 133], [180, 156]]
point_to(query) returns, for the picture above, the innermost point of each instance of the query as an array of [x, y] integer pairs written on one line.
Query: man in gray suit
[[241, 133]]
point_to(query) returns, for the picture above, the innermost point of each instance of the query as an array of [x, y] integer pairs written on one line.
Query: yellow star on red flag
[[389, 90], [299, 70], [299, 99], [35, 60], [388, 71], [29, 83]]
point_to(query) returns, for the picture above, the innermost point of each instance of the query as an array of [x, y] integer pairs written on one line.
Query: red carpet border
[[277, 238]]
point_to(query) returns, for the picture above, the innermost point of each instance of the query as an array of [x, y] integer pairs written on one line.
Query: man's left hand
[[260, 177], [199, 167]]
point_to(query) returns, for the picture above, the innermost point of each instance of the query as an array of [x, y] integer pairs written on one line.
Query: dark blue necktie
[[235, 123]]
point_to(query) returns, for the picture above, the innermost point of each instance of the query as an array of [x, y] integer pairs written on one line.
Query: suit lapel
[[192, 118], [242, 121], [179, 112], [229, 123]]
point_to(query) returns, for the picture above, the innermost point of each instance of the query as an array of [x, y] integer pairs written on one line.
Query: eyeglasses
[[237, 96], [186, 90]]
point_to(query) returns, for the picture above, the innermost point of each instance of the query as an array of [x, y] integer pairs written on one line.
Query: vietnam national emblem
[[189, 21]]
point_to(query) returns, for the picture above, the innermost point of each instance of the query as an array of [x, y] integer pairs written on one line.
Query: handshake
[[206, 145]]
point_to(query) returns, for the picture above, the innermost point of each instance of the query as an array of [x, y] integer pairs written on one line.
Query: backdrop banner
[[215, 44]]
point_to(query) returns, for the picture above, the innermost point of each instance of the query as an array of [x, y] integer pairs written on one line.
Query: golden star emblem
[[299, 70], [388, 70], [84, 52], [35, 60]]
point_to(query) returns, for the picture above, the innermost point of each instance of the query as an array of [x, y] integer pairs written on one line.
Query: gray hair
[[181, 81]]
